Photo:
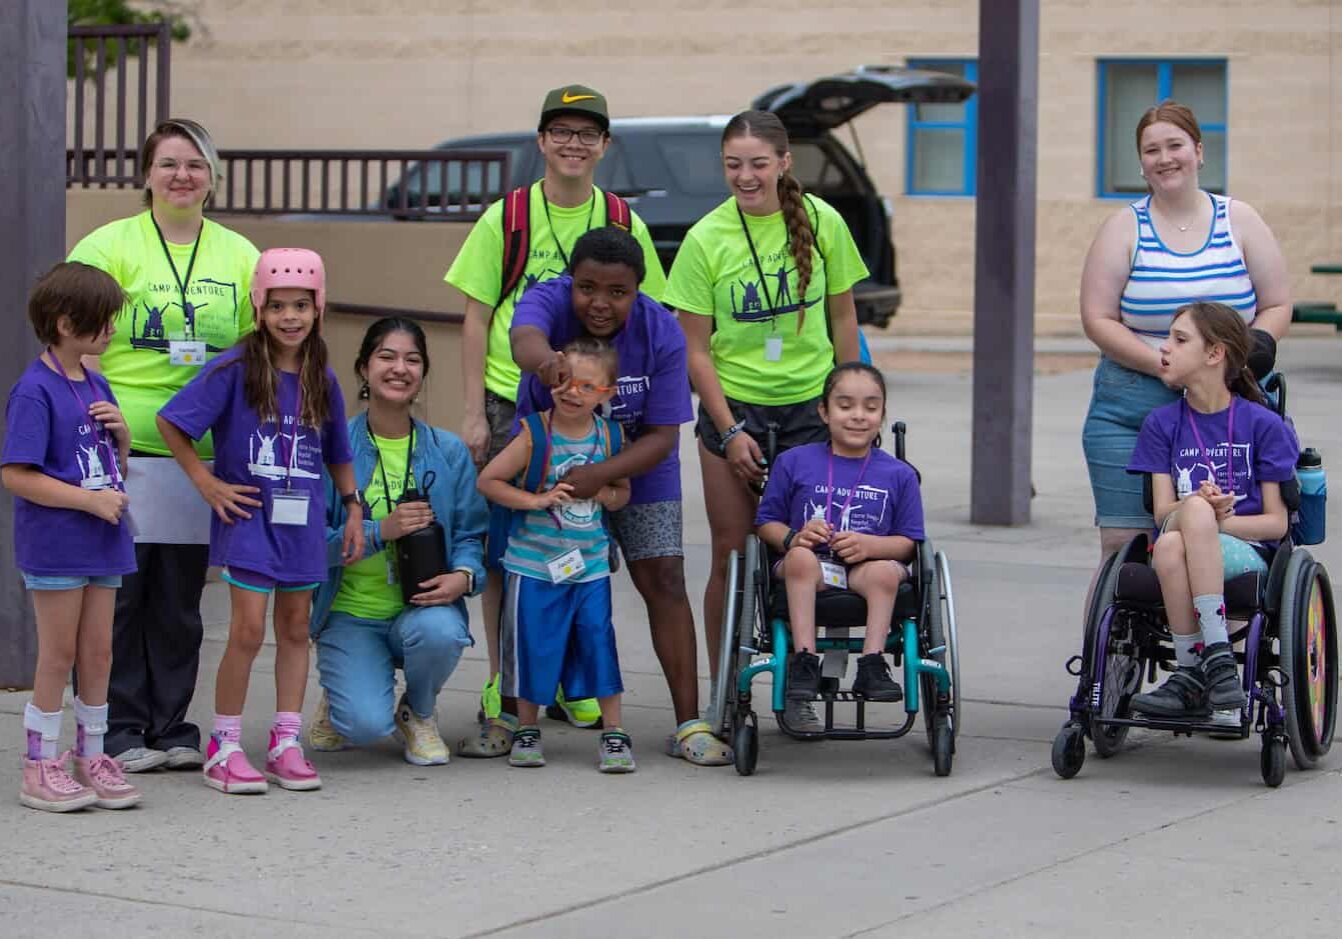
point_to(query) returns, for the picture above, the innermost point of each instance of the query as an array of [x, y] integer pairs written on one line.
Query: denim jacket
[[456, 504]]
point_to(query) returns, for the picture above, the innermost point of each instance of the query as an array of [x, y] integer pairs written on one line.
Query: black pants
[[156, 637]]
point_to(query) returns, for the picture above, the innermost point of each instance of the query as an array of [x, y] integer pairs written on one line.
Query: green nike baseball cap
[[575, 99]]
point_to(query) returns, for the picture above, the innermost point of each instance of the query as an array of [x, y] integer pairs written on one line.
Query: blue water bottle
[[1310, 523]]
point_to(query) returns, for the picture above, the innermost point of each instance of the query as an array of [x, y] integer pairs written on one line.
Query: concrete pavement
[[827, 839]]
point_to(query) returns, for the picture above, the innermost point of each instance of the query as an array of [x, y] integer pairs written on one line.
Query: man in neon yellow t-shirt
[[573, 135]]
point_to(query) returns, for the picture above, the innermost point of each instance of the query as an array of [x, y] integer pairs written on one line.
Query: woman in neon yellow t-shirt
[[762, 283], [187, 281]]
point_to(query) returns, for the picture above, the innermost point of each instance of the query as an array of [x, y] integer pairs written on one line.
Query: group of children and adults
[[184, 415]]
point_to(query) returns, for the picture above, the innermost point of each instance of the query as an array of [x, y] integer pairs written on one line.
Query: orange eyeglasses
[[584, 388]]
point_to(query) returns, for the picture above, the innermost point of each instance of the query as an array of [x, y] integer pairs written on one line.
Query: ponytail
[[1243, 384], [800, 236]]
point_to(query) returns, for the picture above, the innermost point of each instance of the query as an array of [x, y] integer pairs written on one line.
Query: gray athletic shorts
[[499, 413], [650, 530]]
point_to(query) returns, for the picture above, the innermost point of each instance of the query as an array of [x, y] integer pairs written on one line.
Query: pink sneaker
[[104, 776], [48, 786], [287, 768], [227, 769]]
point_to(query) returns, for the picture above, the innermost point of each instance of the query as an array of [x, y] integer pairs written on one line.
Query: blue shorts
[[1237, 555], [1119, 403], [70, 581], [552, 634], [262, 583]]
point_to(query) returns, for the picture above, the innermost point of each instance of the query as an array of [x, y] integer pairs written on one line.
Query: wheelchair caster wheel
[[1069, 750], [746, 744], [1272, 760], [943, 747]]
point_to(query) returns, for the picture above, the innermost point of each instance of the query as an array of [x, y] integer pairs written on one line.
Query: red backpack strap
[[617, 212], [516, 239]]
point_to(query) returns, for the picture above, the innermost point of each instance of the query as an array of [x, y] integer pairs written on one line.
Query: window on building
[[1127, 87], [943, 138]]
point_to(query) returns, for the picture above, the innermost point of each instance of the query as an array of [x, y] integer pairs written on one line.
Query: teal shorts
[[1237, 555]]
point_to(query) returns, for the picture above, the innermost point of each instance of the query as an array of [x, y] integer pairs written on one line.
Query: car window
[[612, 173], [818, 172], [695, 162], [480, 178]]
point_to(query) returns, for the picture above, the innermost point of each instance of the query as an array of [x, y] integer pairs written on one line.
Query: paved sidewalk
[[828, 839]]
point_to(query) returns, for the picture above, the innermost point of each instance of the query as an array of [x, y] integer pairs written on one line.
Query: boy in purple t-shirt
[[64, 457]]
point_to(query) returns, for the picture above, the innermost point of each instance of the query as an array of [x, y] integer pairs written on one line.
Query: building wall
[[353, 73]]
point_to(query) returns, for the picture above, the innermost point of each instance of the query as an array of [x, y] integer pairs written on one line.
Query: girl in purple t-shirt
[[1217, 458], [65, 452], [277, 415], [843, 514]]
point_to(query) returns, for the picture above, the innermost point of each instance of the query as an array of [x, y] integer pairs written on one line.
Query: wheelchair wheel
[[1272, 760], [1122, 669], [939, 610], [943, 745], [723, 705], [1069, 750], [1307, 644], [746, 745]]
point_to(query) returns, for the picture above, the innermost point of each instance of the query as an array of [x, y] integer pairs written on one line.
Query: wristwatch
[[350, 498], [470, 578]]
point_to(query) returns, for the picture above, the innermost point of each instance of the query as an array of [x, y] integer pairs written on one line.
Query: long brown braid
[[764, 125]]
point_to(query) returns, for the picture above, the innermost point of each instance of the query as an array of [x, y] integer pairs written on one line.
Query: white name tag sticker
[[834, 574], [288, 507], [186, 352], [773, 348], [567, 565]]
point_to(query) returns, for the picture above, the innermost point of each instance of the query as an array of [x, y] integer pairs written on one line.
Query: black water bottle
[[420, 555]]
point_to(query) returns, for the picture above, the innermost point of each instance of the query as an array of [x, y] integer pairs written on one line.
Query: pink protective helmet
[[289, 267]]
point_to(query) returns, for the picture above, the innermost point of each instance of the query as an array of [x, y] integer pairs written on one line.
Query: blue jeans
[[357, 661]]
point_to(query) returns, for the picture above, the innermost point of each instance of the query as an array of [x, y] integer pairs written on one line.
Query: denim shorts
[[1119, 403], [70, 581]]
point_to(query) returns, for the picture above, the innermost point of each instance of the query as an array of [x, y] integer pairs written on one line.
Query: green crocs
[[584, 713], [494, 738], [491, 703]]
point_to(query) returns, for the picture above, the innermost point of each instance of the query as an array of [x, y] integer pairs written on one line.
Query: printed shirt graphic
[[886, 501], [364, 588], [1263, 450], [260, 453], [654, 381], [48, 428], [715, 275], [477, 270], [218, 312], [543, 536]]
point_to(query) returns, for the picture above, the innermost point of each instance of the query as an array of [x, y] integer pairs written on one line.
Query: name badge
[[834, 574], [186, 352], [569, 564], [288, 507], [773, 348]]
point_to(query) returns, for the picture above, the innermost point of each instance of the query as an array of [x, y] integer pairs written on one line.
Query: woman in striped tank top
[[1175, 245]]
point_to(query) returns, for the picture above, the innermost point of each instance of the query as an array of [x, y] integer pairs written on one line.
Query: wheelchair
[[1286, 647], [756, 639]]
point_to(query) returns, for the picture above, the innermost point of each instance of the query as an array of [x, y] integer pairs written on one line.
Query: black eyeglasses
[[588, 137]]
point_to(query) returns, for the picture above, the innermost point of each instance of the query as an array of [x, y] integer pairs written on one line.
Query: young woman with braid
[[763, 285]]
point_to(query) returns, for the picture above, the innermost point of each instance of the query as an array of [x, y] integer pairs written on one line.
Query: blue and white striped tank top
[[1162, 280], [543, 536]]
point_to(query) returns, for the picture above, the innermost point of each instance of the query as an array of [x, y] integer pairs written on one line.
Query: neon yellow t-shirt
[[477, 270], [137, 363], [367, 589], [715, 275]]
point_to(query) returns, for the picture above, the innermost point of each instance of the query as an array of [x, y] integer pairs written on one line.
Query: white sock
[[1211, 613], [44, 732], [1187, 649], [90, 728]]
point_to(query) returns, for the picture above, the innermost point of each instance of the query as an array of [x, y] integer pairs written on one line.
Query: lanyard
[[409, 454], [549, 448], [759, 268], [292, 459], [182, 284], [1230, 439], [100, 438], [829, 488], [591, 207]]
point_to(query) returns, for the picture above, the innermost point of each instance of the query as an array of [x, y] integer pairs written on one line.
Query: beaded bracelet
[[729, 434]]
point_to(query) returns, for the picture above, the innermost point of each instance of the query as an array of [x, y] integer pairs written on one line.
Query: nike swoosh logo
[[569, 99]]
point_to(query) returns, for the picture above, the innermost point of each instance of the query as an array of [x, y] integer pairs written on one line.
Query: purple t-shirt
[[654, 383], [1263, 450], [251, 452], [49, 428], [884, 499]]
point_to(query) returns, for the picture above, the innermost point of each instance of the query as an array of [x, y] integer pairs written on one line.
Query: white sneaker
[[801, 716], [183, 758], [423, 744], [140, 759]]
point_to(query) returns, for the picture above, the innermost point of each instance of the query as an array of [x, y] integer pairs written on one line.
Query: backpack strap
[[539, 459], [613, 437], [617, 212], [516, 239]]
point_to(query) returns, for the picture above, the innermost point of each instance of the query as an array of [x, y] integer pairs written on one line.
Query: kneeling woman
[[363, 628]]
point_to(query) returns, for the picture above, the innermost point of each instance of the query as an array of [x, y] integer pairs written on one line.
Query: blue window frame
[[943, 138], [1127, 87]]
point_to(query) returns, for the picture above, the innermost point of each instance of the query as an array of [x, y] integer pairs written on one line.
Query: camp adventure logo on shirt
[[1191, 468], [277, 455], [749, 305], [93, 472], [209, 314], [866, 511]]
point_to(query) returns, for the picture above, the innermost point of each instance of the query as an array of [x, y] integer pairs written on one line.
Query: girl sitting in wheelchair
[[1216, 459], [843, 514]]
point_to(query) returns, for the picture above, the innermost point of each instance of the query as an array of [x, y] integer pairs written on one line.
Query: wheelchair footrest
[[1178, 726]]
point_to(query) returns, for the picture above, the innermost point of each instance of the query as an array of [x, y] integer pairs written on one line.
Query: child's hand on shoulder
[[853, 547], [813, 534], [110, 416], [560, 494], [107, 504]]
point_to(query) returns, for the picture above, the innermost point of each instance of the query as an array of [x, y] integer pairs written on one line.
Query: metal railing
[[113, 162]]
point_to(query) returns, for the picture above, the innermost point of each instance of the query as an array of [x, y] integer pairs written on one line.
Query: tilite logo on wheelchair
[[1284, 638], [757, 637]]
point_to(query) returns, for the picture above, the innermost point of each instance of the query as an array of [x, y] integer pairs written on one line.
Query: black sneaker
[[803, 676], [873, 680], [1184, 694], [1224, 691]]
